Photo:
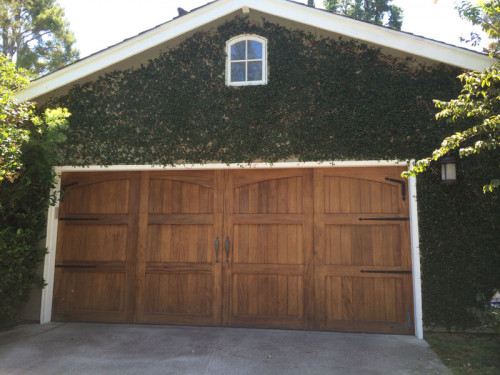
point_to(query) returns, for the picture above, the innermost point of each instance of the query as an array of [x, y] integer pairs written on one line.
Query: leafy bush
[[26, 158]]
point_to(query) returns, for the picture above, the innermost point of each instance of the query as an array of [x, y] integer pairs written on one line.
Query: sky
[[98, 24]]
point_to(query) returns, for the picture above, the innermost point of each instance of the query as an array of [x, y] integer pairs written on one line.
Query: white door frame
[[52, 217]]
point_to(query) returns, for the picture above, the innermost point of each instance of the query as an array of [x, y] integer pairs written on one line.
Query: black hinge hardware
[[73, 266], [384, 218], [408, 317], [63, 189], [393, 272], [79, 218], [403, 186]]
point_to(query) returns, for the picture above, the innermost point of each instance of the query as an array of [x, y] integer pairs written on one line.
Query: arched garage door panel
[[95, 257], [362, 263]]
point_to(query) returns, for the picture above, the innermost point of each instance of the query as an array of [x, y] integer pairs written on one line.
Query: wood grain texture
[[296, 249], [180, 283], [106, 292], [347, 298], [268, 217]]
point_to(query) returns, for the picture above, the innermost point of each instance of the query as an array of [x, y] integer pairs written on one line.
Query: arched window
[[246, 61]]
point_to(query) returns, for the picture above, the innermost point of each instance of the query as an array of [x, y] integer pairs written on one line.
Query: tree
[[487, 15], [18, 121], [12, 116], [380, 12], [310, 3], [35, 35], [479, 101]]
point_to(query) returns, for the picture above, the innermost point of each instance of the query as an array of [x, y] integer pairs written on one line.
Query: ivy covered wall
[[325, 100]]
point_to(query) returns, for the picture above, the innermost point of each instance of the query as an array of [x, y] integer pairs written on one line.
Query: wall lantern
[[448, 169]]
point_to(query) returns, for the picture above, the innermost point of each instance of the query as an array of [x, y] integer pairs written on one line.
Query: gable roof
[[290, 10]]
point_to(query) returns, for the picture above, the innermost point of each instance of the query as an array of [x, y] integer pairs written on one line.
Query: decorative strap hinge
[[403, 186]]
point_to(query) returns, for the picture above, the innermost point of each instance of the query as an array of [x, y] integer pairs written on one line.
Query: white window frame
[[238, 39]]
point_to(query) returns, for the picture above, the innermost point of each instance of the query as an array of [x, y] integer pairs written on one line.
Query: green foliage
[[346, 99], [459, 239], [26, 144], [478, 103], [35, 34], [325, 100], [380, 12], [12, 116], [485, 13]]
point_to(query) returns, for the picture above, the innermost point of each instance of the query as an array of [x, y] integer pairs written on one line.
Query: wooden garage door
[[235, 248], [269, 276], [178, 273], [362, 247], [96, 247]]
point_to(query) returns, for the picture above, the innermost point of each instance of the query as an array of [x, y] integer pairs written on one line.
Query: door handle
[[227, 249], [217, 250]]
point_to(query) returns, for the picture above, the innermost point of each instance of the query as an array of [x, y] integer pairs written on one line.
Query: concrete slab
[[80, 348]]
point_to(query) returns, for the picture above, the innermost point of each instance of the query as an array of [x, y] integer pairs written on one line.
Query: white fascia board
[[299, 13], [375, 34]]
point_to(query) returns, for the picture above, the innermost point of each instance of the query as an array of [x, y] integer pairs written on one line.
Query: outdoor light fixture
[[448, 169]]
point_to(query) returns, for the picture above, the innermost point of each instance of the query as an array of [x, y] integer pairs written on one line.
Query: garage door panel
[[84, 242], [179, 293], [344, 195], [94, 198], [180, 243], [96, 247], [174, 196], [362, 245], [268, 244], [354, 195], [364, 298], [90, 291], [324, 248], [269, 221], [273, 196], [362, 259], [268, 295], [179, 278]]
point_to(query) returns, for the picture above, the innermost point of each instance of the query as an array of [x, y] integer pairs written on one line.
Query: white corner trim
[[50, 257], [293, 11], [415, 255]]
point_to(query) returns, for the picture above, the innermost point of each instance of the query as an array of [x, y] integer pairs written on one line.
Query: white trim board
[[296, 12], [50, 258]]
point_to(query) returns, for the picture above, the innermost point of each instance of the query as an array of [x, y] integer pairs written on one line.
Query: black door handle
[[217, 250], [227, 249]]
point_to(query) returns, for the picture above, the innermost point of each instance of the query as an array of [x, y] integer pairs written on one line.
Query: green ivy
[[459, 243], [23, 210], [326, 99]]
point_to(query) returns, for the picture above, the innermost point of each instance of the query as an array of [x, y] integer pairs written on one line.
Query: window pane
[[255, 71], [238, 51], [238, 72], [254, 50]]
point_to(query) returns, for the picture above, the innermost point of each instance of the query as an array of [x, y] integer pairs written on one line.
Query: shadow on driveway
[[81, 348]]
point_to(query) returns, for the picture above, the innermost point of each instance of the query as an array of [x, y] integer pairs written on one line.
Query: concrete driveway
[[77, 348]]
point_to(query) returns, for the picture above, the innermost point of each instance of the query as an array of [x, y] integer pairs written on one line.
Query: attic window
[[246, 61]]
